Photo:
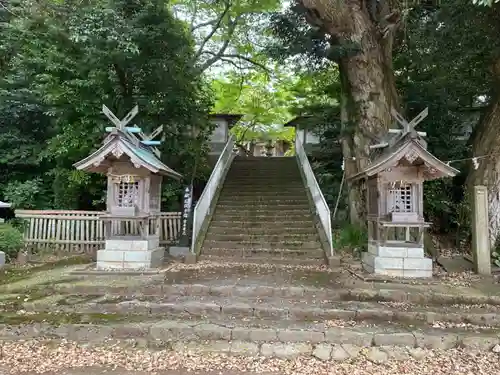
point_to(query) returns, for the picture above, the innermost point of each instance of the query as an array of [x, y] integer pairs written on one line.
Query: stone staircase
[[251, 310], [263, 215]]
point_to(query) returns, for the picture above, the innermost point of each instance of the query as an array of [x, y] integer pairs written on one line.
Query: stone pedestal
[[333, 262], [179, 251], [190, 258], [397, 261], [130, 254], [2, 259]]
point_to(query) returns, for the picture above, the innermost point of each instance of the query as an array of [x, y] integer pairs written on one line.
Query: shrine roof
[[120, 143], [231, 119], [297, 120], [412, 148]]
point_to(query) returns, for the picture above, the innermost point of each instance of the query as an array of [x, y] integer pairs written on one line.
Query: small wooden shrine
[[393, 180], [131, 162]]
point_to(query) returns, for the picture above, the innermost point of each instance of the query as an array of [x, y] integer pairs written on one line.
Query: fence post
[[480, 233]]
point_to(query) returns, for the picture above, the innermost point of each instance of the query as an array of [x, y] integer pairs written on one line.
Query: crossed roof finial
[[409, 126], [147, 140], [120, 124]]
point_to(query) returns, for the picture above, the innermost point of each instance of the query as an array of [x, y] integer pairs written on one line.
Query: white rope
[[338, 196]]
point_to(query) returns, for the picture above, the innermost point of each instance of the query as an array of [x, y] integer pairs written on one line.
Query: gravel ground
[[108, 371], [35, 357]]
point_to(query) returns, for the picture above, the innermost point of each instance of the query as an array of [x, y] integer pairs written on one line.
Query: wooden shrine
[[399, 165], [131, 162]]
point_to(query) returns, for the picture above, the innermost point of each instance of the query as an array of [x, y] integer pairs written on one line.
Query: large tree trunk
[[367, 79], [486, 141]]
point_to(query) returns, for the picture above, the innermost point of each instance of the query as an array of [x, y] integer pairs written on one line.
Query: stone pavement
[[254, 310]]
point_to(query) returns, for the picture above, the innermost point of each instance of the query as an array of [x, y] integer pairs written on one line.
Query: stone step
[[295, 310], [269, 200], [230, 193], [263, 178], [384, 293], [272, 253], [278, 226], [304, 212], [263, 170], [265, 190], [265, 174], [261, 161], [263, 238], [277, 170], [261, 259], [260, 217], [266, 338], [256, 168], [258, 206], [244, 230], [262, 181], [281, 246], [264, 160], [256, 182]]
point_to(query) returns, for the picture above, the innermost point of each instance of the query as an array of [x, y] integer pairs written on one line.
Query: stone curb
[[196, 309], [168, 334], [385, 295]]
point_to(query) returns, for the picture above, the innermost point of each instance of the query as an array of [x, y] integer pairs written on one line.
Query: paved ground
[[32, 358], [217, 273], [105, 371]]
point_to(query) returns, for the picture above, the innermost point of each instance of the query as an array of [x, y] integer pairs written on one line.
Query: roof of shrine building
[[232, 119], [118, 144], [406, 148]]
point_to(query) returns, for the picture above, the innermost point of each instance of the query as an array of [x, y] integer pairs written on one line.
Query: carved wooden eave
[[412, 152], [117, 145]]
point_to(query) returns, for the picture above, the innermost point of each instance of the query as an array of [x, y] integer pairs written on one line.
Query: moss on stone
[[14, 273], [68, 318]]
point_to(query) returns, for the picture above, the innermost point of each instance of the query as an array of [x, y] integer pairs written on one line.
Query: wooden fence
[[80, 231]]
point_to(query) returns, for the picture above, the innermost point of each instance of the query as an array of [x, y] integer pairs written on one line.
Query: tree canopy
[[67, 59]]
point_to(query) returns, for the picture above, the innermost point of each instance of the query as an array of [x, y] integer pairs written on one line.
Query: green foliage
[[11, 240], [70, 58], [228, 33], [496, 258], [296, 40], [263, 100], [487, 3], [350, 238], [443, 63], [29, 194]]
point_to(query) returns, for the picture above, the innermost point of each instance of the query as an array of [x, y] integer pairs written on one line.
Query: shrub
[[11, 240], [350, 238]]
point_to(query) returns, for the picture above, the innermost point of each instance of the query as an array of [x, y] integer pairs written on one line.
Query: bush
[[11, 241], [350, 238]]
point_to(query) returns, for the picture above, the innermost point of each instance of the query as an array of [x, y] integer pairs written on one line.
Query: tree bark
[[486, 141], [367, 79]]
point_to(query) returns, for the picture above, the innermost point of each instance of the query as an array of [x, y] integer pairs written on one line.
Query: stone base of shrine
[[132, 243], [114, 259], [397, 261]]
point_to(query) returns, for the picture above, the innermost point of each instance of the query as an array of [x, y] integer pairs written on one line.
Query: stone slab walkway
[[33, 357], [217, 274]]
